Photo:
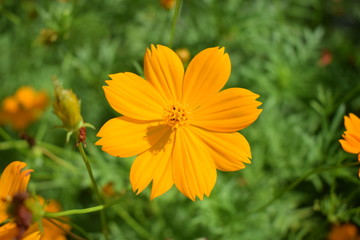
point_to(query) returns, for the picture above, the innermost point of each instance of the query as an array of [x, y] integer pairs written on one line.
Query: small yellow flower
[[178, 123], [23, 108]]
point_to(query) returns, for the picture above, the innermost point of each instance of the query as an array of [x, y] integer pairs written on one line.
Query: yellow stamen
[[176, 116]]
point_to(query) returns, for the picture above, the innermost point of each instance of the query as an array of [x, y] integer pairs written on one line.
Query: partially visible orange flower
[[23, 108], [351, 141], [53, 229], [345, 231], [167, 4], [181, 126], [22, 211], [13, 181]]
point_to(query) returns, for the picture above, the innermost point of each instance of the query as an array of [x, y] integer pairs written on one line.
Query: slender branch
[[74, 212], [132, 222], [4, 222], [95, 187], [174, 20], [73, 226], [5, 135], [73, 235]]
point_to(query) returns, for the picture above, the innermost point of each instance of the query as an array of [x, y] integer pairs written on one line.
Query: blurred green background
[[302, 57]]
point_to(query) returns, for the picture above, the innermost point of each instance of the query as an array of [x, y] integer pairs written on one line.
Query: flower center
[[176, 116]]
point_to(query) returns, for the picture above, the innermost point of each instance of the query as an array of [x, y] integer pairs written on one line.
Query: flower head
[[181, 126], [23, 108], [351, 141], [22, 211]]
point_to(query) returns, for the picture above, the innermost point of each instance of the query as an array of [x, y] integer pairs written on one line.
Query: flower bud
[[67, 108]]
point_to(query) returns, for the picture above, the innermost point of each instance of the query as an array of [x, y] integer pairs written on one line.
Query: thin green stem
[[74, 212], [10, 144], [73, 235], [95, 187], [4, 222], [132, 222], [174, 20], [73, 226], [5, 135], [81, 211], [299, 180]]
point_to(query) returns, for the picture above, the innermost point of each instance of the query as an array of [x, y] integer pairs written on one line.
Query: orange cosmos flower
[[178, 123], [351, 141], [13, 181], [23, 108]]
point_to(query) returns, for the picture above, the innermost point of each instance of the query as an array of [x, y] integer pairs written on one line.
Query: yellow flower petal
[[228, 111], [229, 150], [134, 97], [165, 71], [13, 180], [351, 142], [154, 165], [206, 75], [8, 231], [126, 137], [193, 169], [352, 123]]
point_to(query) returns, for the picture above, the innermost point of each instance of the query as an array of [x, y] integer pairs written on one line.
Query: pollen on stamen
[[176, 116]]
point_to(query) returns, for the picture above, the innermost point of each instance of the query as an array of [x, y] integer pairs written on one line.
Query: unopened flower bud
[[67, 108]]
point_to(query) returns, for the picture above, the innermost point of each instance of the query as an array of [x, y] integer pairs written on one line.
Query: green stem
[[10, 144], [5, 135], [73, 235], [174, 20], [73, 226], [132, 222], [4, 222], [74, 212], [299, 180], [95, 187]]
